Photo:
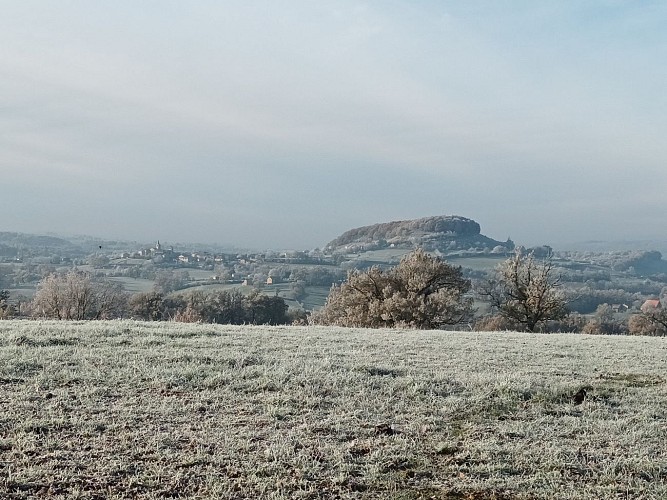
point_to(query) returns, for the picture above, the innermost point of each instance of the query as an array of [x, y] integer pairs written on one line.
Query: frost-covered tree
[[148, 306], [422, 291], [77, 296], [6, 310], [526, 291], [230, 307], [651, 322], [167, 281]]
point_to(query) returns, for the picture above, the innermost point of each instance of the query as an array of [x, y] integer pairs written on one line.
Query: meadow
[[125, 409]]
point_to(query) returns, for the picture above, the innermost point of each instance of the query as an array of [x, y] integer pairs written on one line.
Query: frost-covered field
[[153, 410]]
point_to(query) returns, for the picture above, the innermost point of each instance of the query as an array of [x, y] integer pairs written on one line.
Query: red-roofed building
[[651, 305]]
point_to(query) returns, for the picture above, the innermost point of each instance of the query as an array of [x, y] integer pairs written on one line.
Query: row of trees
[[224, 307], [79, 296], [525, 294], [422, 291]]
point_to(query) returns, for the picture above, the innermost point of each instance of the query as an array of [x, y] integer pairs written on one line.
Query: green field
[[16, 293], [126, 409], [199, 274], [385, 255], [135, 285], [315, 298], [214, 287], [486, 263], [394, 255]]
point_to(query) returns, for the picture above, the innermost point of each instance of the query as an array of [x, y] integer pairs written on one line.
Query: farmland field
[[393, 255], [486, 263], [125, 409], [135, 285], [316, 296], [385, 255]]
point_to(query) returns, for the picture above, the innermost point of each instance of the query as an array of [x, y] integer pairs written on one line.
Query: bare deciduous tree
[[526, 291], [75, 296], [649, 322], [422, 291]]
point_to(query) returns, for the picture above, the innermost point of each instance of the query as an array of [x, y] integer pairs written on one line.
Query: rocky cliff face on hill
[[446, 233]]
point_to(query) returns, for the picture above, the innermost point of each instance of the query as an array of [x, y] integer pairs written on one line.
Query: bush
[[593, 327], [187, 315], [643, 324], [148, 306], [495, 323], [225, 307], [78, 296], [420, 292], [6, 309]]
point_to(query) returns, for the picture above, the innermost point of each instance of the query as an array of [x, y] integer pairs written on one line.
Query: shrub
[[642, 324], [494, 323], [78, 296], [422, 291]]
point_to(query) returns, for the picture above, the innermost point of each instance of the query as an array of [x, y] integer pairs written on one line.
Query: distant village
[[258, 268], [161, 255]]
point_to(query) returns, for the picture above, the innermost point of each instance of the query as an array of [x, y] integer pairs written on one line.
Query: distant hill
[[12, 244], [444, 233], [599, 246]]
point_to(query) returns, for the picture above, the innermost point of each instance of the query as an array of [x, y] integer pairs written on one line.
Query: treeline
[[603, 322], [632, 261], [228, 307], [525, 293], [80, 296]]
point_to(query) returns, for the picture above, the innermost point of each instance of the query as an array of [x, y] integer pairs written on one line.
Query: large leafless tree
[[526, 291]]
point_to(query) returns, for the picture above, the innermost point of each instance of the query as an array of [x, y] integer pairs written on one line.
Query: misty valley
[[604, 290]]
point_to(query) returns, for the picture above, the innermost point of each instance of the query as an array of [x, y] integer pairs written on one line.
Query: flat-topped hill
[[443, 232]]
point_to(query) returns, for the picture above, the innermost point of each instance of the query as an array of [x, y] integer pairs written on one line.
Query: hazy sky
[[281, 124]]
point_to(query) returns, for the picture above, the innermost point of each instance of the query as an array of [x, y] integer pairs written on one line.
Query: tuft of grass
[[634, 379], [125, 409]]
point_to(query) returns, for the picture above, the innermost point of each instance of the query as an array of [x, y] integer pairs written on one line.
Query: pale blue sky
[[281, 124]]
